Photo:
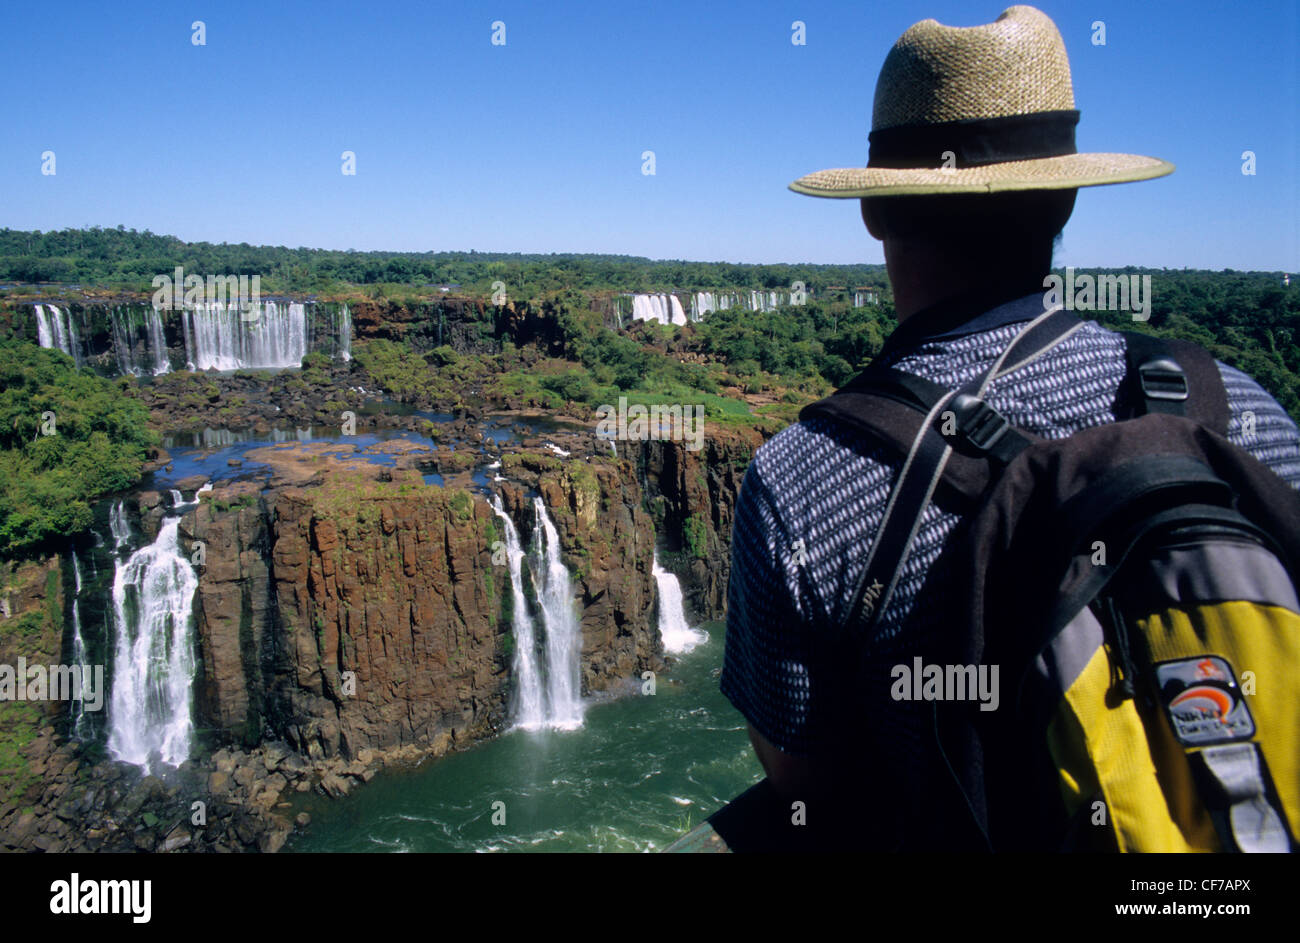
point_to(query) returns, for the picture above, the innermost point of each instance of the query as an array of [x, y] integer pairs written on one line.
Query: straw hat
[[977, 110]]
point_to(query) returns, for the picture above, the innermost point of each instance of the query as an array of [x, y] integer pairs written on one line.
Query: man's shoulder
[[807, 445], [816, 445]]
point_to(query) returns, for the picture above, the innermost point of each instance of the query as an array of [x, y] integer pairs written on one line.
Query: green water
[[639, 773]]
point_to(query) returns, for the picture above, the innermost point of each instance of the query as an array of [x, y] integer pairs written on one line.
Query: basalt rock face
[[468, 325], [392, 632], [358, 615], [694, 494], [235, 610], [32, 628]]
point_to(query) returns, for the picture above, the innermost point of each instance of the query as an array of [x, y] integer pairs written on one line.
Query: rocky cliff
[[693, 494], [467, 325], [350, 615], [362, 613]]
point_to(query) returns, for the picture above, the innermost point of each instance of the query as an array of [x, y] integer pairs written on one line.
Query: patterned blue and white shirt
[[814, 495]]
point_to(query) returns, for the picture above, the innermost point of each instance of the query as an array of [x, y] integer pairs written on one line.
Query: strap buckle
[[977, 422], [1163, 379]]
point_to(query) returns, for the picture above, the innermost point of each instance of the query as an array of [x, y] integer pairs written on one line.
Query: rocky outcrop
[[467, 325], [235, 610], [231, 801], [693, 494], [367, 610], [31, 634], [391, 633]]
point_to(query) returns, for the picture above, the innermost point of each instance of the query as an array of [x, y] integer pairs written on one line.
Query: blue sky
[[535, 146]]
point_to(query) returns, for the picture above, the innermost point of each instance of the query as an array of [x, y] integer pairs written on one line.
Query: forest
[[128, 260], [756, 368]]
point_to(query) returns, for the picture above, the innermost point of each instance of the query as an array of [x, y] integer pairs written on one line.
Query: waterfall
[[702, 302], [57, 330], [124, 342], [134, 355], [677, 635], [153, 667], [563, 632], [549, 690], [119, 526], [157, 342], [43, 334], [345, 334], [80, 725], [528, 710], [224, 337], [665, 309]]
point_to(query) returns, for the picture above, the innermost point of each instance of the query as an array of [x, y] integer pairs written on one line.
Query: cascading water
[[44, 333], [345, 334], [529, 710], [228, 337], [157, 342], [124, 343], [563, 632], [665, 309], [119, 526], [703, 302], [153, 667], [80, 724], [677, 635], [220, 335], [548, 688], [57, 330], [135, 355]]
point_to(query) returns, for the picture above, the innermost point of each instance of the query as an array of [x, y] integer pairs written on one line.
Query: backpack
[[1135, 586]]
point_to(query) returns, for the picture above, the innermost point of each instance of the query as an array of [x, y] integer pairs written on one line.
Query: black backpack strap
[[930, 450], [976, 428], [1175, 377]]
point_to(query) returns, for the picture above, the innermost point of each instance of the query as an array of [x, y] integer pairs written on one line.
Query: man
[[972, 175]]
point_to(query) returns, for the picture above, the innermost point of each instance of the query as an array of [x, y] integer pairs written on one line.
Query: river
[[638, 774]]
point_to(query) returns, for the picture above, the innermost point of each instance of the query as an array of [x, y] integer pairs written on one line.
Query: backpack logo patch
[[1204, 703]]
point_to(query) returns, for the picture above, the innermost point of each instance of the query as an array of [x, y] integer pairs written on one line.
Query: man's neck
[[923, 276], [920, 277]]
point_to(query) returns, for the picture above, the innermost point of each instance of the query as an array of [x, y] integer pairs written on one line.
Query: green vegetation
[[462, 504], [696, 533], [584, 480], [243, 501], [66, 437], [19, 722], [129, 259], [561, 354], [1248, 320]]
